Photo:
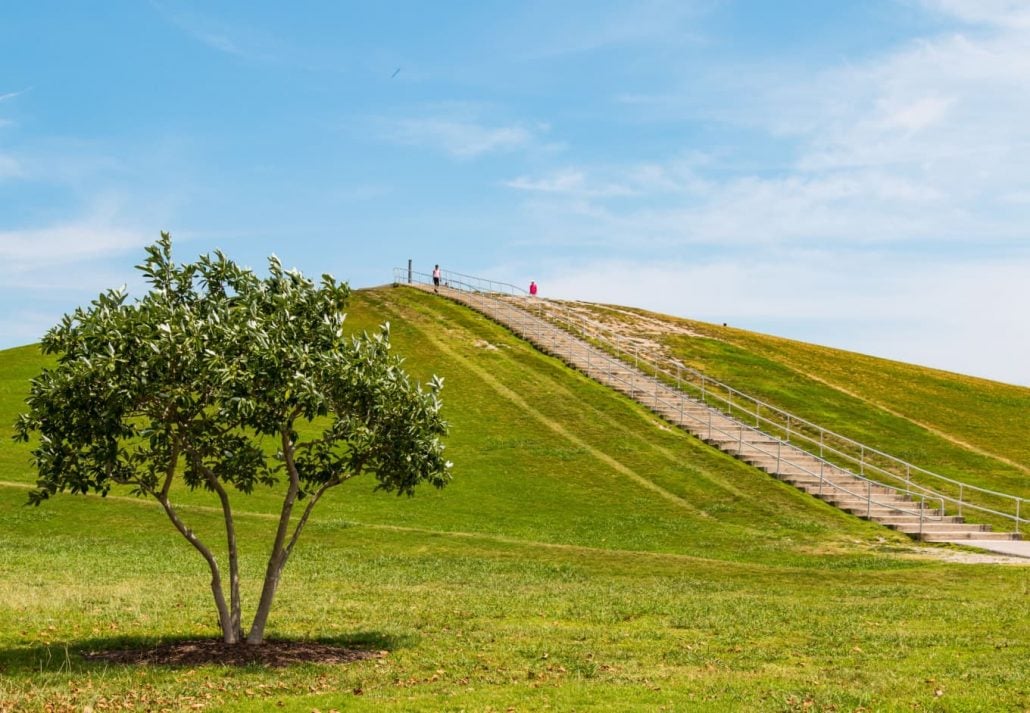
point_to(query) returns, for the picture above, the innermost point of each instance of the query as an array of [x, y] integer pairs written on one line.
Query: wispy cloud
[[926, 143], [598, 27], [229, 38], [458, 138], [9, 167], [63, 243], [102, 230], [11, 95], [1004, 13], [569, 182]]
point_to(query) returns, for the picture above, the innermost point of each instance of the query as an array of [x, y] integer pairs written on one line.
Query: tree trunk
[[275, 569], [278, 556], [236, 604], [230, 634]]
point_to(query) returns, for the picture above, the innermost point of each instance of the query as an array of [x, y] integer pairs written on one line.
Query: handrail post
[[961, 494], [869, 499], [922, 514], [779, 444], [1018, 501]]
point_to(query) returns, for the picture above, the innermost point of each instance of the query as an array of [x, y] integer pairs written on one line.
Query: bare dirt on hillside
[[632, 331], [971, 557]]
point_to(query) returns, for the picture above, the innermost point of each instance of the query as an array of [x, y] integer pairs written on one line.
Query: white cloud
[[11, 95], [569, 182], [541, 34], [64, 243], [458, 138], [917, 115], [229, 38], [103, 230], [1005, 13], [9, 167], [926, 142]]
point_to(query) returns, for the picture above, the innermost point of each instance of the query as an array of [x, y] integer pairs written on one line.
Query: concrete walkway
[[1015, 548]]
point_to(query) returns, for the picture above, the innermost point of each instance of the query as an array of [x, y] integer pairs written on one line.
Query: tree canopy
[[210, 379]]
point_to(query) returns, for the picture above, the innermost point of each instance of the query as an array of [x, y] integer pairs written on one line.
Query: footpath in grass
[[586, 556]]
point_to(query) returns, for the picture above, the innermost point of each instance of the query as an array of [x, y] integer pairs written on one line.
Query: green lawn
[[586, 556]]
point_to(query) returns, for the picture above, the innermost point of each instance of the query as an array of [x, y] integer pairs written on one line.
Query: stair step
[[904, 520], [958, 536]]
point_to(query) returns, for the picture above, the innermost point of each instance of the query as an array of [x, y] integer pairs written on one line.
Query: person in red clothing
[[532, 289]]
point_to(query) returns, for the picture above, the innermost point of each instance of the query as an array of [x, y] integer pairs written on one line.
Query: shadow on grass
[[174, 652]]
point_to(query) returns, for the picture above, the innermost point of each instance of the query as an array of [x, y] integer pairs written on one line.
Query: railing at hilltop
[[869, 464]]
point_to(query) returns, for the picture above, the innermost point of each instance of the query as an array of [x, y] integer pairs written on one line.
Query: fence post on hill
[[409, 270]]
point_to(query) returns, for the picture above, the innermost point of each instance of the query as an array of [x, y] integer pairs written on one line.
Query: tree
[[211, 379]]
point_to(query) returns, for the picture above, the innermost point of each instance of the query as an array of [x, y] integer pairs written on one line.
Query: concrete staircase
[[916, 513]]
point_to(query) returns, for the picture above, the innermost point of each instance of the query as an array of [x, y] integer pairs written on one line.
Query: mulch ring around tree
[[272, 654]]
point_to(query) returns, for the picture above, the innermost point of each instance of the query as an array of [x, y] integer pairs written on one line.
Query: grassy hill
[[586, 556], [963, 427]]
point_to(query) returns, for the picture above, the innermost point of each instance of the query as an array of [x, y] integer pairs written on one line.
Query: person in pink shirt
[[532, 289]]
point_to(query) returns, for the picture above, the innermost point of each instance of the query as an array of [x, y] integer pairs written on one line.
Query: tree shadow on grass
[[101, 653]]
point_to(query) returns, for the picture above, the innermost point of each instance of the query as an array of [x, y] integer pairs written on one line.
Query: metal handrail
[[710, 388], [514, 321]]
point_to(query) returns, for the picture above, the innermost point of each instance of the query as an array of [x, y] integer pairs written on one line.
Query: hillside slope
[[544, 454], [586, 556]]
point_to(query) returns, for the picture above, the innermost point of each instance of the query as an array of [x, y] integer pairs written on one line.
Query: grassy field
[[586, 556]]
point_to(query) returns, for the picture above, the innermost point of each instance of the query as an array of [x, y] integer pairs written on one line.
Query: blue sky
[[855, 174]]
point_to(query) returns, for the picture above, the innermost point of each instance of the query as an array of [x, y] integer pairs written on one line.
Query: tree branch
[[307, 511], [229, 634], [230, 534]]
